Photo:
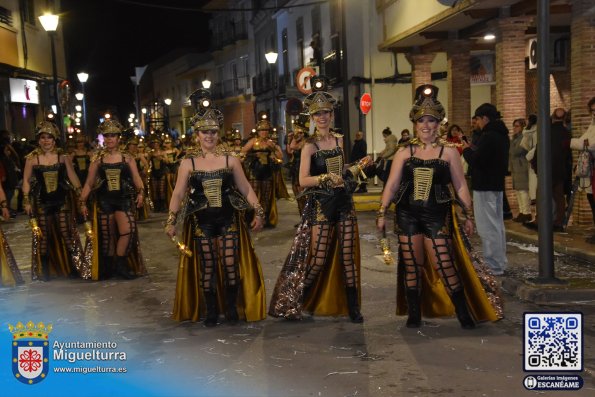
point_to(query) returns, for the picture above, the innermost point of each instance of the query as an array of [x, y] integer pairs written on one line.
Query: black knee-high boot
[[231, 297], [413, 308], [122, 268], [45, 267], [460, 303], [212, 312], [353, 304]]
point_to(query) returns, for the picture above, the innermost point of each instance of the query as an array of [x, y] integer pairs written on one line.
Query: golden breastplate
[[422, 183], [334, 165], [82, 163], [50, 178], [156, 164], [263, 158], [113, 179], [212, 189]]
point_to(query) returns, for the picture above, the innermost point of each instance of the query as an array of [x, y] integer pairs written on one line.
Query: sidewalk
[[574, 261]]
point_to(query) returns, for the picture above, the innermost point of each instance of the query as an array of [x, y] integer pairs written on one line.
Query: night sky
[[108, 38]]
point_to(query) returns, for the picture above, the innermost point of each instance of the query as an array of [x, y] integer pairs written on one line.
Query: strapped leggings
[[210, 250], [320, 248], [116, 232]]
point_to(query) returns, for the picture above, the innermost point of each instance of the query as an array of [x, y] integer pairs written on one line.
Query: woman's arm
[[26, 188], [137, 180], [177, 197], [74, 179], [392, 184], [248, 146], [91, 176], [457, 175], [246, 189]]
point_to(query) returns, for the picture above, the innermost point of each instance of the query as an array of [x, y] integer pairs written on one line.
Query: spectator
[[488, 160], [387, 154], [529, 143], [518, 166], [587, 140], [358, 152], [455, 135], [405, 136]]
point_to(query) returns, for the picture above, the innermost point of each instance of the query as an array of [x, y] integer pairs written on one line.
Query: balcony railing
[[229, 34]]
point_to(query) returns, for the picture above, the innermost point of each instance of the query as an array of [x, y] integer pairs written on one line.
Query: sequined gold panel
[[50, 179], [334, 165], [263, 158], [422, 180], [113, 178], [82, 163], [157, 164], [212, 189]]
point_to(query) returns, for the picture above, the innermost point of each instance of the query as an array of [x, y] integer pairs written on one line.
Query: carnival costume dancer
[[261, 153], [10, 274], [132, 147], [172, 161], [224, 271], [431, 245], [48, 179], [321, 274], [115, 243], [158, 170], [301, 128]]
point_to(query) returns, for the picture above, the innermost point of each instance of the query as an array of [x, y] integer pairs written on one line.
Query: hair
[[531, 120], [488, 110], [405, 131], [386, 131], [521, 121], [591, 102], [452, 127], [555, 116]]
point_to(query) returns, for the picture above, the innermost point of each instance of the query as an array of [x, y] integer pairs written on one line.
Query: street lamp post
[[167, 102], [83, 77], [49, 22], [272, 59]]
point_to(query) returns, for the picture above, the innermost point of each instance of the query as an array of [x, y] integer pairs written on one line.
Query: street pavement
[[275, 357]]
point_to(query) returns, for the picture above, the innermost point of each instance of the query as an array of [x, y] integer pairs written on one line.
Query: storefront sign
[[23, 91]]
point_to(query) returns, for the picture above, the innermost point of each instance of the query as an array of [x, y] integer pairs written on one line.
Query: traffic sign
[[365, 103], [302, 80]]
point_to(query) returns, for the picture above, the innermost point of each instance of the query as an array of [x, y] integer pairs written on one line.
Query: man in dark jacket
[[488, 161], [358, 152]]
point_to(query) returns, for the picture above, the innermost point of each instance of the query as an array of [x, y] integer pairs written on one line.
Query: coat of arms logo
[[30, 351]]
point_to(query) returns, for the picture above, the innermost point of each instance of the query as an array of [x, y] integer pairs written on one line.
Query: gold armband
[[172, 219], [26, 200], [468, 214], [258, 210], [322, 179], [381, 211]]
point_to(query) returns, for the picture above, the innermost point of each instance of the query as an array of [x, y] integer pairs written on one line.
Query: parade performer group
[[223, 271], [217, 183], [431, 244], [115, 243], [261, 154]]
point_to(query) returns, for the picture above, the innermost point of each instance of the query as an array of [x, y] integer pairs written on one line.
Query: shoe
[[352, 302], [212, 311], [122, 268], [231, 310], [460, 303], [522, 218], [413, 308]]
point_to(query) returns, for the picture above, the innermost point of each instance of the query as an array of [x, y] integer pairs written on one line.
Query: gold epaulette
[[34, 152], [336, 134], [99, 154]]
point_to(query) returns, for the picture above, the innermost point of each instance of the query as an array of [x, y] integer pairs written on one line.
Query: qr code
[[553, 342]]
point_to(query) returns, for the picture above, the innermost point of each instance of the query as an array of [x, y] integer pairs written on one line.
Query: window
[[29, 11], [234, 77], [315, 14], [299, 29], [285, 54], [5, 16]]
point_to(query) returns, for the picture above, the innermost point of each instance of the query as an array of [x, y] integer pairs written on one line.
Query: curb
[[531, 238], [546, 295]]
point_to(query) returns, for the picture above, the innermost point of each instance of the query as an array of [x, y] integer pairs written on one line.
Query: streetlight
[[271, 59], [49, 22], [83, 77], [167, 102], [206, 83]]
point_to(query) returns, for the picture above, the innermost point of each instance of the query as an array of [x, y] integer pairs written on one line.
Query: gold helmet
[[426, 103], [110, 126], [263, 122], [319, 99], [302, 123], [208, 119], [47, 127], [132, 141]]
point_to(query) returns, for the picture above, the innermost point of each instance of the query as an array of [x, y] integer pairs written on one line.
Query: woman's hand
[[5, 213], [468, 227], [140, 199], [170, 230], [336, 180], [380, 224], [256, 224], [28, 210]]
